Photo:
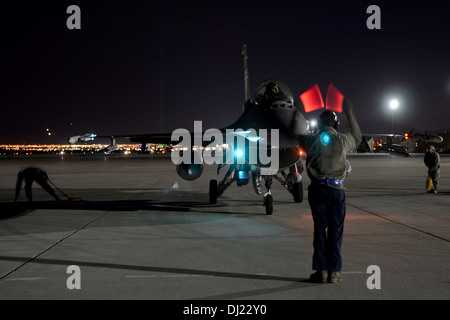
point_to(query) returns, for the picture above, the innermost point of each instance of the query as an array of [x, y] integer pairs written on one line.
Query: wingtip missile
[[83, 138]]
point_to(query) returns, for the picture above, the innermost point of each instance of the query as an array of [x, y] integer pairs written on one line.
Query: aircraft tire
[[298, 192], [268, 203], [213, 190]]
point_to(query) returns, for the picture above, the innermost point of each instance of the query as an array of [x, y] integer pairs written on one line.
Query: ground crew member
[[30, 175], [432, 161], [327, 168]]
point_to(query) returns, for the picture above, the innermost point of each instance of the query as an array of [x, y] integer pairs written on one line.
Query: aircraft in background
[[426, 137], [396, 143]]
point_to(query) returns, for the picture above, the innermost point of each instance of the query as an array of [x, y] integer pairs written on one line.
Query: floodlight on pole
[[393, 104]]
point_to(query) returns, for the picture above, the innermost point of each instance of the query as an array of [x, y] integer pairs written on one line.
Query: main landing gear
[[241, 174], [292, 181]]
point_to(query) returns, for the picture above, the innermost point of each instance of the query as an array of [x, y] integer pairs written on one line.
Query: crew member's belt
[[328, 181]]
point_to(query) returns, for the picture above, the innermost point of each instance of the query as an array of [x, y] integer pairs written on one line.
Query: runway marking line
[[53, 245], [24, 279], [59, 241], [162, 276], [397, 222]]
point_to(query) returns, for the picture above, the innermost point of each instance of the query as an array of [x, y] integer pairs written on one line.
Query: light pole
[[394, 105]]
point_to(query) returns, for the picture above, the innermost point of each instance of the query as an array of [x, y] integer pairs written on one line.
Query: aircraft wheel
[[213, 190], [268, 203], [298, 192]]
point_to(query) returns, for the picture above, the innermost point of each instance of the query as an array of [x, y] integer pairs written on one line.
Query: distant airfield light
[[394, 104]]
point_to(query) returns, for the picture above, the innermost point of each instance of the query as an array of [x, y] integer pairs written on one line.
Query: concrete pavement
[[140, 232]]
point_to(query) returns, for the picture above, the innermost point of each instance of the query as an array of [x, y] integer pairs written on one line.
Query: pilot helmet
[[272, 88], [270, 91], [328, 118]]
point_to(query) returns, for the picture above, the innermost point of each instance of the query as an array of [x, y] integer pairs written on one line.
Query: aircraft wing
[[137, 138], [164, 138], [251, 118]]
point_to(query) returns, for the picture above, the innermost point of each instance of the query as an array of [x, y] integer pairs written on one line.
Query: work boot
[[319, 277], [335, 277]]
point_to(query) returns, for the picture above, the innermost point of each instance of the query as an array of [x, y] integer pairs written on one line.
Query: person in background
[[432, 161], [30, 175]]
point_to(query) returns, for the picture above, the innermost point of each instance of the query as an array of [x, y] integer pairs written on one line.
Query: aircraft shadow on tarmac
[[161, 200], [11, 210], [167, 270], [16, 209]]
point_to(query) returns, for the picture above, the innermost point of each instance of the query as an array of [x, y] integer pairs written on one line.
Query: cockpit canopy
[[275, 94]]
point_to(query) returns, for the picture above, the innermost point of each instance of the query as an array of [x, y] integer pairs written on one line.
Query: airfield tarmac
[[140, 232]]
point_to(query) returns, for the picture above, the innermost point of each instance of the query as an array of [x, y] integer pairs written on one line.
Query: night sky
[[148, 67]]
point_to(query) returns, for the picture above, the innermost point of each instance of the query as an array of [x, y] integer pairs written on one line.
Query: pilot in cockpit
[[271, 94]]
